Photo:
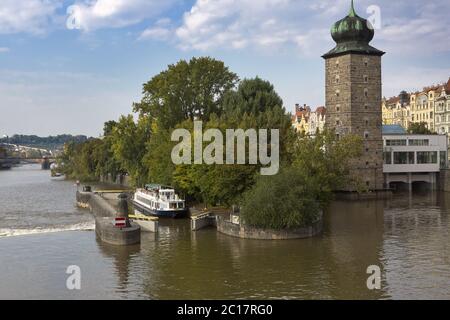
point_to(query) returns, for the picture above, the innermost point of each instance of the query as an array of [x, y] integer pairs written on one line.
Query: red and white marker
[[120, 222]]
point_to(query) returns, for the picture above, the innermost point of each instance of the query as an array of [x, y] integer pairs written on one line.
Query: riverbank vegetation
[[205, 89], [295, 197]]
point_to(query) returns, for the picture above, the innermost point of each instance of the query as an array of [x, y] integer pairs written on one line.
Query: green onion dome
[[352, 35]]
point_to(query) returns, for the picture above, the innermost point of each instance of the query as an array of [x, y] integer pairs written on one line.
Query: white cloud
[[407, 26], [97, 14], [412, 79], [425, 33], [28, 16], [4, 49], [235, 24], [160, 31], [156, 33]]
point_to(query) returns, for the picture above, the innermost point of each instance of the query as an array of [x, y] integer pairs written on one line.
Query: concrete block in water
[[105, 214], [110, 234], [202, 220]]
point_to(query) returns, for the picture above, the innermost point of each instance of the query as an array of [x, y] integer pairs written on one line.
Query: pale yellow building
[[397, 111], [430, 106], [422, 108], [300, 120]]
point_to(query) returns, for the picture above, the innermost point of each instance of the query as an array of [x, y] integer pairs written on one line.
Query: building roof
[[393, 100], [321, 110], [393, 129], [352, 35]]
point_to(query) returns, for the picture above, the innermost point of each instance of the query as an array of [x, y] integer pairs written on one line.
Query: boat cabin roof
[[158, 187]]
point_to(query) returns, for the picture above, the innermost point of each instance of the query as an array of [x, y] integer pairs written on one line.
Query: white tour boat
[[158, 200]]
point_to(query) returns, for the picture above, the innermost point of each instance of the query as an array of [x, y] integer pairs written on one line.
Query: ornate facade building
[[430, 106], [307, 121], [442, 109], [397, 110], [353, 94]]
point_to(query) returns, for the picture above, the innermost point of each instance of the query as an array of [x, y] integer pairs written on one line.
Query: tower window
[[366, 135], [337, 93], [338, 108], [337, 79], [367, 123], [338, 122], [366, 79], [366, 62], [337, 63], [366, 92], [366, 106]]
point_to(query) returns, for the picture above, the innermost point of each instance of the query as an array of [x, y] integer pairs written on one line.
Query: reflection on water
[[408, 237]]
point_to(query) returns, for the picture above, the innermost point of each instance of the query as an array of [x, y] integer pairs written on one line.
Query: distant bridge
[[16, 147]]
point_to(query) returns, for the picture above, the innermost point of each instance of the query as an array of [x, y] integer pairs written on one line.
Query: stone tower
[[353, 94]]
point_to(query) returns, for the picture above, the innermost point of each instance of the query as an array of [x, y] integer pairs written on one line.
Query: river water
[[42, 233]]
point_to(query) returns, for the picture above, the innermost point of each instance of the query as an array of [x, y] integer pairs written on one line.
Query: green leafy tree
[[158, 156], [284, 201], [327, 160], [294, 198], [419, 128], [129, 146], [186, 90], [254, 105], [78, 160]]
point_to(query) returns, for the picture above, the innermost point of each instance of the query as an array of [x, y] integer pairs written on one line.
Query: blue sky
[[54, 79]]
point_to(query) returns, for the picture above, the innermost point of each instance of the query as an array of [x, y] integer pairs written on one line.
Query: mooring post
[[123, 208]]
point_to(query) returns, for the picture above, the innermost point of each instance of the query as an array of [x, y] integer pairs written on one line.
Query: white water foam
[[85, 226]]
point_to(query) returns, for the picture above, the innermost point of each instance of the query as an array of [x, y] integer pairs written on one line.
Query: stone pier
[[105, 215]]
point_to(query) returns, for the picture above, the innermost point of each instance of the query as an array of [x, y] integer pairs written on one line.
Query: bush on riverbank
[[293, 198], [284, 201]]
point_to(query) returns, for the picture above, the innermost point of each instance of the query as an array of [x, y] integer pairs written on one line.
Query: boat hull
[[174, 214]]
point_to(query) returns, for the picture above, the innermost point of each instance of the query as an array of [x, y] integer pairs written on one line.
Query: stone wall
[[105, 230], [120, 180], [98, 206], [371, 195], [444, 180], [353, 100], [246, 232], [104, 214]]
